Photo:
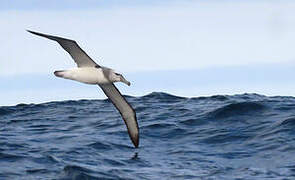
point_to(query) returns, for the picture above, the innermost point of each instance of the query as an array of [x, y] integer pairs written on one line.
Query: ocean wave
[[238, 109], [77, 172], [5, 111], [289, 122], [215, 137]]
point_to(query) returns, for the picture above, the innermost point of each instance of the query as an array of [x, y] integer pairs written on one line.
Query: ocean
[[246, 136]]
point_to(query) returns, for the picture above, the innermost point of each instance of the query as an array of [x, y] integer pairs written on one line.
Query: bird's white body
[[88, 75]]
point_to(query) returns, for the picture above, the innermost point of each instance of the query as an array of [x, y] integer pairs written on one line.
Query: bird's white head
[[112, 76], [119, 78]]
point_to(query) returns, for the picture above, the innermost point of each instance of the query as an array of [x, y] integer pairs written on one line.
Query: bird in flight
[[90, 72]]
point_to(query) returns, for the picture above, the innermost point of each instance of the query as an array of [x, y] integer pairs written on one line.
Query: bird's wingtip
[[29, 31], [135, 141], [33, 32]]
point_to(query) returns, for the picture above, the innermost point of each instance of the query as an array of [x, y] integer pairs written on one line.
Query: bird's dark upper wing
[[79, 56], [126, 111]]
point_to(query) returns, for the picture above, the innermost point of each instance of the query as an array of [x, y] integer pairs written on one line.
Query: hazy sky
[[187, 48]]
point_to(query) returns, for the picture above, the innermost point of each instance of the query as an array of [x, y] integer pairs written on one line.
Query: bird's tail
[[59, 73]]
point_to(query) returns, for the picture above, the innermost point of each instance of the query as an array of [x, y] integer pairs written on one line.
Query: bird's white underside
[[88, 75]]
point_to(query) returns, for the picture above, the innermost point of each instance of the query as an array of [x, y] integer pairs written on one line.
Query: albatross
[[89, 72]]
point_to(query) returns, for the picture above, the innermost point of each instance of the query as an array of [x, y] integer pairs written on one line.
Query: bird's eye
[[118, 74]]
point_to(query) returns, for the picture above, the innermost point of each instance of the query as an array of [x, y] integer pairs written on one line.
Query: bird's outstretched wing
[[79, 56], [126, 111]]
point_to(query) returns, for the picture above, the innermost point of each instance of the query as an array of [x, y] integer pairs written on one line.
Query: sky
[[186, 48]]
